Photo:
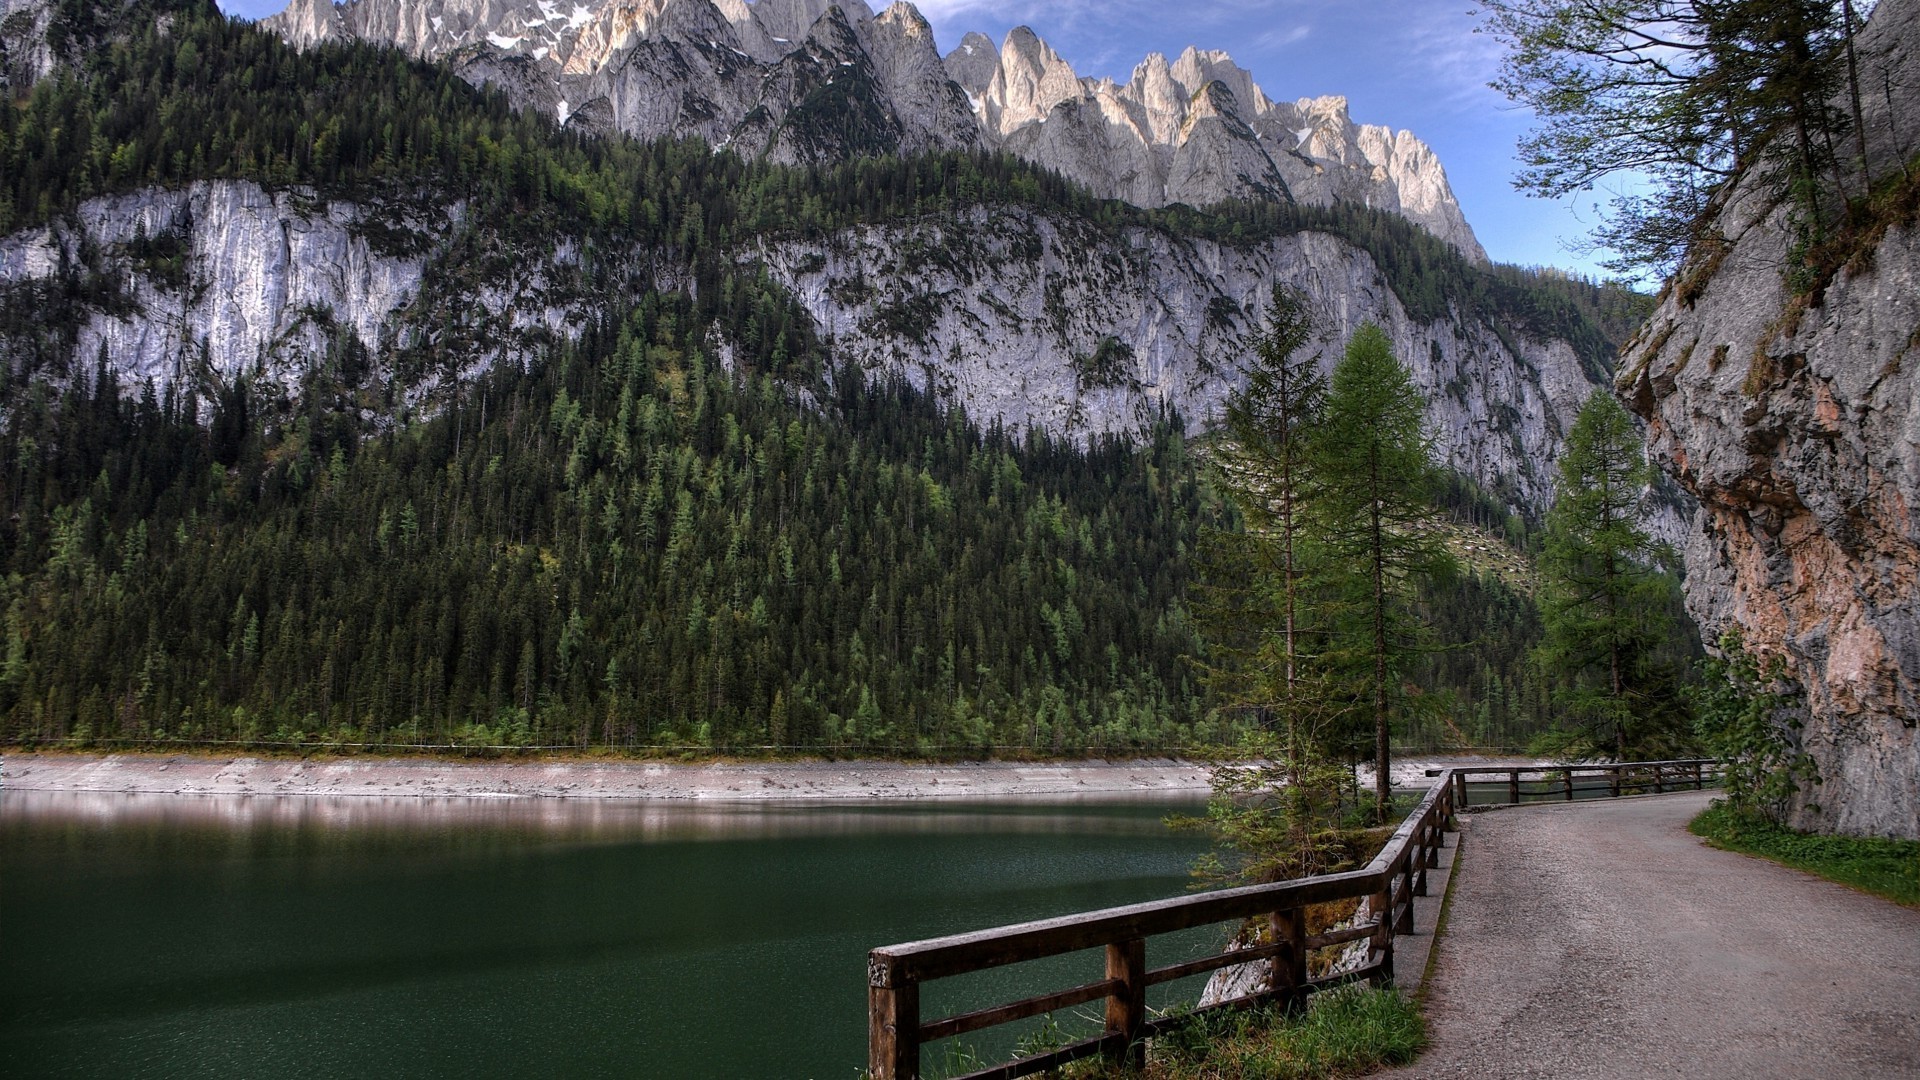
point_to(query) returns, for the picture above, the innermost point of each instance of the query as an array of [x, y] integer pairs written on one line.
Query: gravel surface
[[1601, 939]]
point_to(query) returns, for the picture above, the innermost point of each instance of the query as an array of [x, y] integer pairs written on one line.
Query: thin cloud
[[1453, 61], [1280, 39]]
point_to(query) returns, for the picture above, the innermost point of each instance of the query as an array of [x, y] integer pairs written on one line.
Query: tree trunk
[[1382, 763]]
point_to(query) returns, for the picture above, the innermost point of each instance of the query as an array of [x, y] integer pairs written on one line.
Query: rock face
[[805, 81], [1040, 319], [1197, 131], [1796, 422], [270, 283], [1024, 316], [24, 54]]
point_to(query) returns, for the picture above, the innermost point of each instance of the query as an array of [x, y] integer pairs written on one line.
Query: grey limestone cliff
[[1793, 413], [1025, 316]]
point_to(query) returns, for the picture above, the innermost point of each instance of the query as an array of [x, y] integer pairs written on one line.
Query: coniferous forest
[[629, 543]]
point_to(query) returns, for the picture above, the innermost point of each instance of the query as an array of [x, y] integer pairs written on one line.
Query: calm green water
[[184, 936]]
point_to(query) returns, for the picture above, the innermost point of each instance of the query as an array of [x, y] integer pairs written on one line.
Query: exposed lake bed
[[588, 778]]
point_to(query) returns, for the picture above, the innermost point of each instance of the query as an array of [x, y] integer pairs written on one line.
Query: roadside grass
[[1885, 868], [1346, 1032]]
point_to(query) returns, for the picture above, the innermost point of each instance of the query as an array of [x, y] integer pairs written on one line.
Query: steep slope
[[1005, 291], [1791, 409], [438, 420], [782, 78]]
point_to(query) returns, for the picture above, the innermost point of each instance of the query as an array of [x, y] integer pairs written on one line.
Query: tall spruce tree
[[1605, 601], [1373, 458]]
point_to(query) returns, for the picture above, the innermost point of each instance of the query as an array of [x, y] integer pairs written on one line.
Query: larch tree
[[1279, 813], [1605, 598], [1373, 459], [1679, 96]]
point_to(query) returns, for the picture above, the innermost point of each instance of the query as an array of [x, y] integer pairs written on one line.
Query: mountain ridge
[[1196, 130]]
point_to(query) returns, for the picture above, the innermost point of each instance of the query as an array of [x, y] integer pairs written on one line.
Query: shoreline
[[192, 774]]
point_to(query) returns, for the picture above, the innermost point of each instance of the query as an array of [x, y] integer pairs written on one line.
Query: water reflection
[[587, 820], [318, 936]]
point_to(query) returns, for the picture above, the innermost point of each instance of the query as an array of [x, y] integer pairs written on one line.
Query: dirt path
[[1601, 939]]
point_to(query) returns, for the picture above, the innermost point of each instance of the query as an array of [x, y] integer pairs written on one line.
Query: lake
[[222, 936]]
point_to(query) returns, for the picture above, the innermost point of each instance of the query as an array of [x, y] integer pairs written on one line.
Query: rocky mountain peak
[[973, 63], [725, 70]]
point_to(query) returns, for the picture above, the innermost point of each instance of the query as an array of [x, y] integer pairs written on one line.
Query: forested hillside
[[683, 523]]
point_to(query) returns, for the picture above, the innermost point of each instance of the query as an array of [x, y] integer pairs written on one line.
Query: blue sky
[[1415, 64]]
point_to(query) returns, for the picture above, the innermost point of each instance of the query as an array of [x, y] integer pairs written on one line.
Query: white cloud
[[1280, 39]]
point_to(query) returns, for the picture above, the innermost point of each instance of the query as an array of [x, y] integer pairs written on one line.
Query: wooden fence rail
[[896, 1032], [1565, 781]]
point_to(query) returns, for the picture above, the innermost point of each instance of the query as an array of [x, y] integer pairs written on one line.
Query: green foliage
[[1685, 94], [627, 545], [439, 580], [1887, 868], [1372, 456], [1350, 1031], [1746, 714], [1250, 599], [1607, 600]]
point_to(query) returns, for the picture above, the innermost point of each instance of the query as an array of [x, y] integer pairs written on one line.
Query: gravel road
[[1601, 939]]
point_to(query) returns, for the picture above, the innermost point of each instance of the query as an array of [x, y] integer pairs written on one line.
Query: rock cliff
[[805, 81], [1025, 316], [1792, 411]]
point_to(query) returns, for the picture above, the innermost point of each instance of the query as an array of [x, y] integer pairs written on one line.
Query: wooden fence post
[[893, 1023], [1382, 904], [1513, 786], [1567, 780], [1127, 1004], [1699, 784], [1288, 980], [1613, 781]]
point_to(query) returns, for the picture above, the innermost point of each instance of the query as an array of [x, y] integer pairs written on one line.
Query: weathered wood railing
[[895, 1031], [1566, 781], [1390, 882]]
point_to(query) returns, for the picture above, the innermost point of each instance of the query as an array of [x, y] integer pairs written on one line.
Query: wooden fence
[[895, 1030], [1568, 782]]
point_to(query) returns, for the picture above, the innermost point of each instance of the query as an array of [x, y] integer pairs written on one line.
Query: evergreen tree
[[1605, 603], [1684, 93], [1280, 814], [1373, 458]]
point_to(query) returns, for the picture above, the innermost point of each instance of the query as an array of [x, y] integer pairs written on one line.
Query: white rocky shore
[[577, 778]]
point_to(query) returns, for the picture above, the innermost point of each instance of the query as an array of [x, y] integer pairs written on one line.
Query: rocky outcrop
[[24, 55], [266, 285], [1041, 319], [811, 80], [1794, 416]]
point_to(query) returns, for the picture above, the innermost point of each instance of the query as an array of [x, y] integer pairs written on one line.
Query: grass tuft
[[1885, 868], [1346, 1032]]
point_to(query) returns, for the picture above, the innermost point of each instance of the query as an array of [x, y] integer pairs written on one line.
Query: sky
[[1412, 64]]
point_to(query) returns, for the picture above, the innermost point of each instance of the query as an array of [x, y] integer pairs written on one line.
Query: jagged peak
[[693, 21], [1197, 67], [792, 20], [907, 18], [973, 64]]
